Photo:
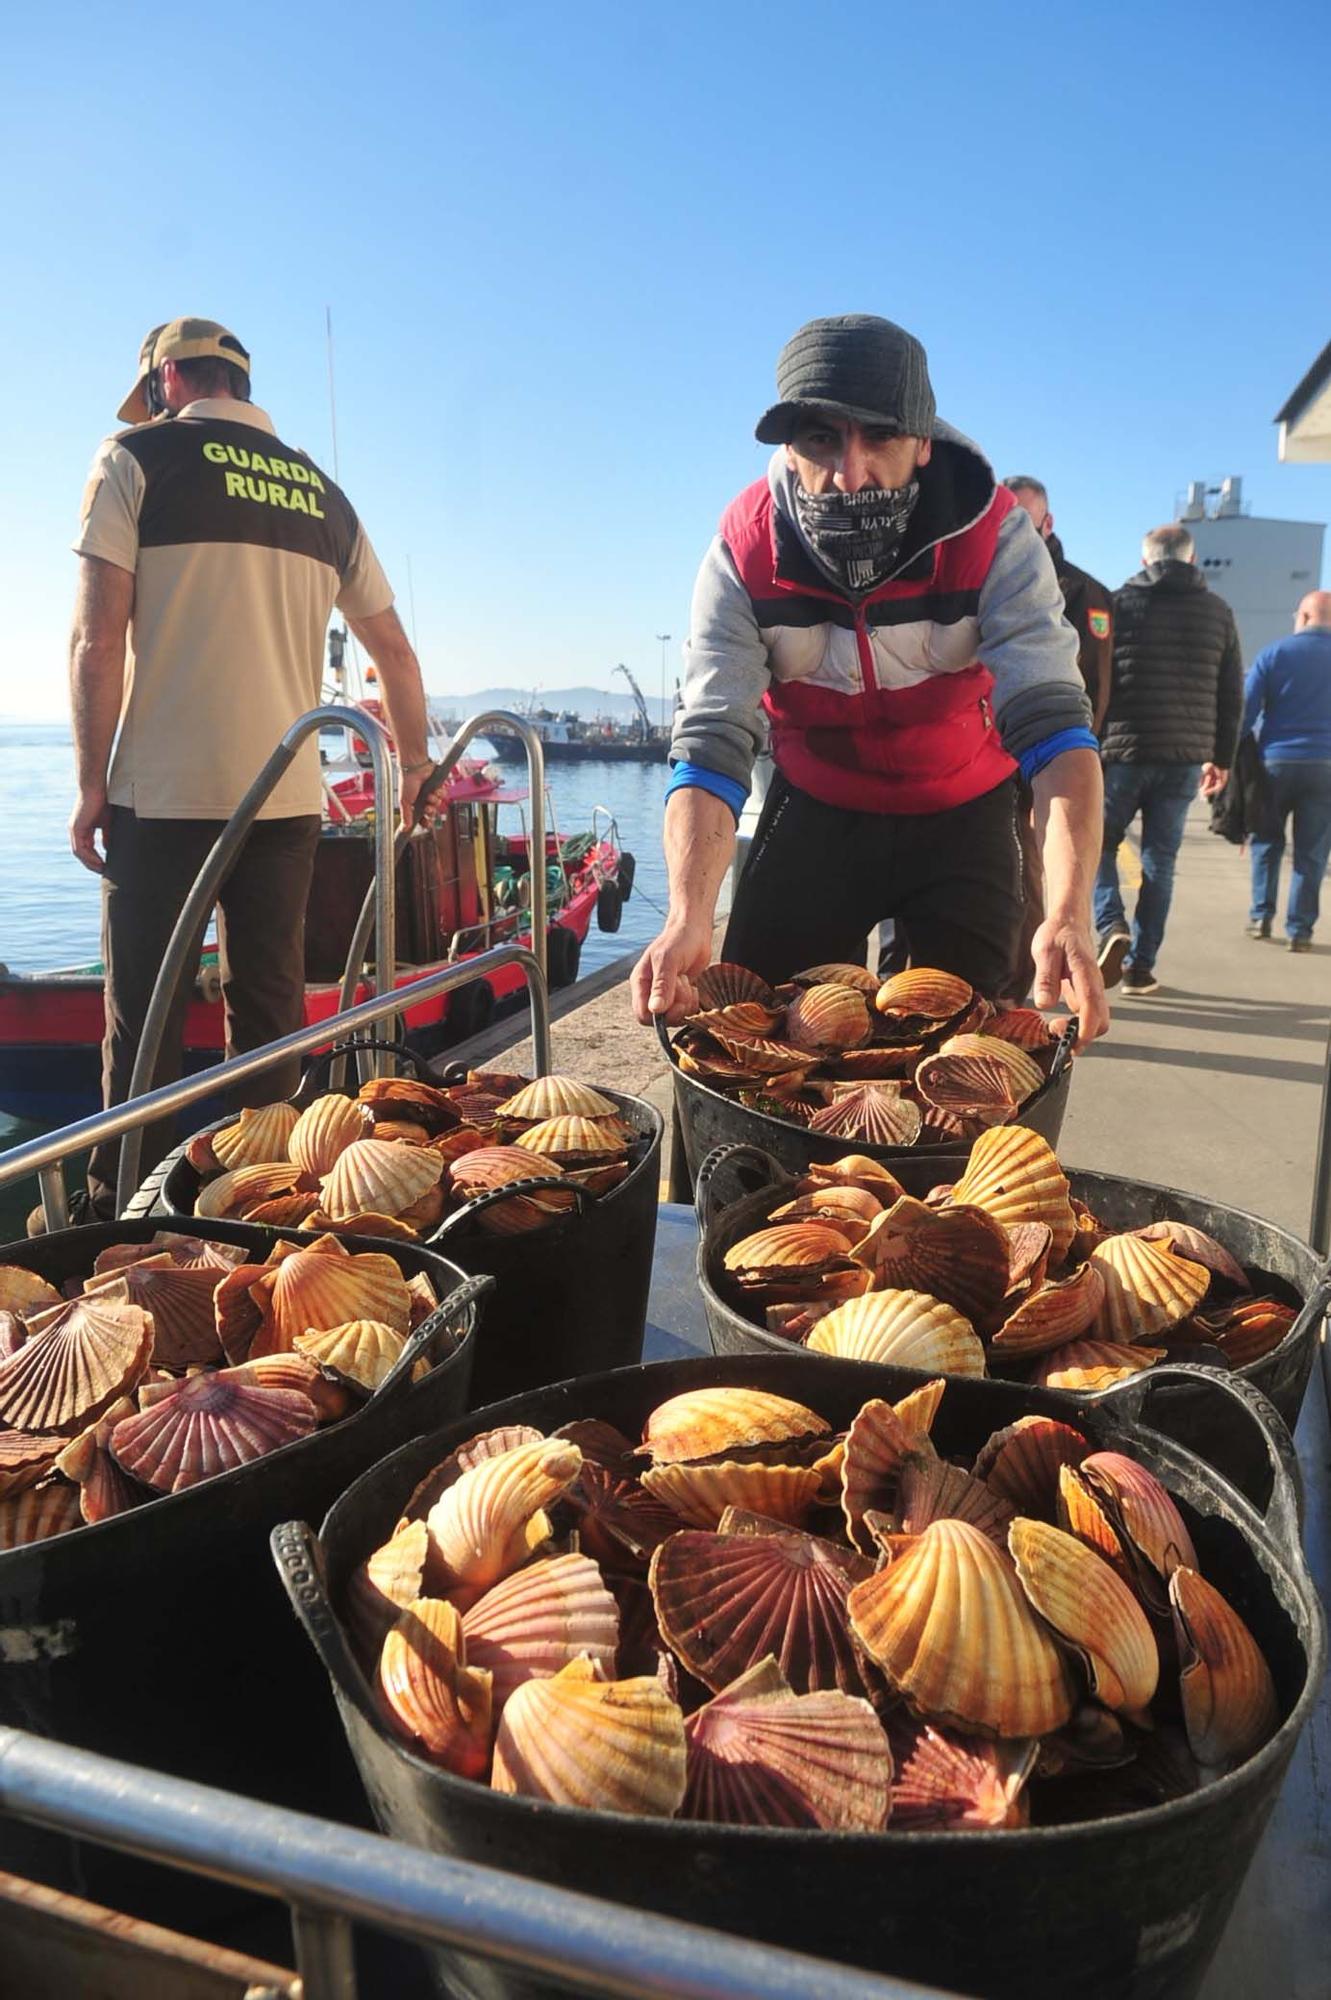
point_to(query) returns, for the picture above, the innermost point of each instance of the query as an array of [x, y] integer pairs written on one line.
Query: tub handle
[[1064, 1050], [583, 1199], [726, 1162], [316, 1075], [1283, 1513], [298, 1554], [662, 1027], [433, 1331]]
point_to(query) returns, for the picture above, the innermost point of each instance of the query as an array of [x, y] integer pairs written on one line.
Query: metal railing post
[[1319, 1227], [325, 1954], [475, 725], [202, 897], [48, 1150]]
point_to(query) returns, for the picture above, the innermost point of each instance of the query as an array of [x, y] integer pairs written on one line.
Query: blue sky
[[563, 245]]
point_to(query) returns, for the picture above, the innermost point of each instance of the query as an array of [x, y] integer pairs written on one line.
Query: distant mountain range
[[584, 701]]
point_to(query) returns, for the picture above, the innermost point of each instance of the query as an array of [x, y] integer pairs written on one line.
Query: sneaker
[[1300, 944], [82, 1208], [1260, 927], [1138, 981], [1113, 950]]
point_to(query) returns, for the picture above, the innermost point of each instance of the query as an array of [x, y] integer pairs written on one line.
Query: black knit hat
[[856, 366]]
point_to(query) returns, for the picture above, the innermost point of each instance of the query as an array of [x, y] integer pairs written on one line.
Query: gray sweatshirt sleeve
[[1026, 642], [726, 673]]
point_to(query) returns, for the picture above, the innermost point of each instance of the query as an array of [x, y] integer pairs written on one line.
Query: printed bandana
[[858, 536]]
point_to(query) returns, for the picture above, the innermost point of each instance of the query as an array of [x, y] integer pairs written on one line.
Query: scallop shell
[[608, 1746], [1030, 1245], [784, 1246], [930, 1489], [257, 1138], [380, 1176], [937, 996], [489, 1521], [724, 1602], [748, 1020], [760, 1755], [976, 1076], [873, 1112], [486, 1444], [1091, 1609], [22, 1291], [284, 1211], [1014, 1174], [569, 1139], [705, 1422], [558, 1097], [875, 1064], [1053, 1314], [1249, 1329], [384, 1585], [835, 1205], [403, 1131], [1116, 1505], [295, 1371], [533, 1623], [943, 1781], [238, 1314], [762, 1055], [431, 1697], [1198, 1248], [1092, 1364], [77, 1358], [38, 1513], [1229, 1699], [909, 1329], [26, 1457], [327, 1286], [619, 1524], [857, 977], [828, 1017], [490, 1167], [324, 1130], [363, 1352], [13, 1333], [181, 1304], [700, 1494], [208, 1425], [853, 1170], [1022, 1463], [879, 1439], [949, 1626], [722, 985], [232, 1194], [407, 1097], [1147, 1288], [1022, 1025], [958, 1255]]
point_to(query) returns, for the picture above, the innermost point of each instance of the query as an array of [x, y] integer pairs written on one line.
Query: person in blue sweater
[[1287, 705]]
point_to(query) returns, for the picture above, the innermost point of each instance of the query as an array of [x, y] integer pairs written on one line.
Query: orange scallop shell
[[828, 1017], [77, 1358], [873, 1112], [1147, 1288], [1014, 1174], [700, 1494], [943, 1780], [1053, 1314], [1091, 1609], [571, 1137], [761, 1755], [1229, 1699], [181, 1303], [22, 1291], [38, 1513], [702, 1423], [492, 1518], [324, 1130], [257, 1138], [1092, 1364], [534, 1622], [959, 1255], [558, 1097], [363, 1352], [880, 1437], [326, 1285], [857, 977], [378, 1176], [722, 985], [384, 1585], [909, 1329], [935, 995], [1022, 1463], [431, 1697], [608, 1746], [208, 1425]]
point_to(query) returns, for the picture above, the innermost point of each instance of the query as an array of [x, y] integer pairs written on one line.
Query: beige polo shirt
[[240, 548]]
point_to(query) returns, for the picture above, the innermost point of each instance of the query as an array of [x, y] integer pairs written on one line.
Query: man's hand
[[408, 789], [91, 816], [663, 978], [1213, 780], [1065, 970]]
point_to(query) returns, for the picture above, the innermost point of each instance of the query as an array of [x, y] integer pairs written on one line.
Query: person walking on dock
[[211, 556], [1172, 722], [1287, 705], [890, 607]]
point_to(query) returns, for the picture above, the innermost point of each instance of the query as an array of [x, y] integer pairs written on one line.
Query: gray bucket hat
[[856, 366]]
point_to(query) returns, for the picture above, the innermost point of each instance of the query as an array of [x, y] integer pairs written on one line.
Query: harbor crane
[[639, 702]]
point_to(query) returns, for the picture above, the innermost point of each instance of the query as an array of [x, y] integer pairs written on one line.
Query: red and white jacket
[[912, 699]]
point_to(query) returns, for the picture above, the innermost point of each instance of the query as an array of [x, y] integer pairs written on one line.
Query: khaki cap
[[179, 340]]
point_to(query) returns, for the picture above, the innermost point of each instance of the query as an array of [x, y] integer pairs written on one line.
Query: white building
[[1261, 568]]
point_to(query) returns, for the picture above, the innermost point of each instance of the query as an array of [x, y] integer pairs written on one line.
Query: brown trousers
[[150, 868]]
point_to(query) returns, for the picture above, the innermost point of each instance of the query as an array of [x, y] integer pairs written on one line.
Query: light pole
[[664, 638]]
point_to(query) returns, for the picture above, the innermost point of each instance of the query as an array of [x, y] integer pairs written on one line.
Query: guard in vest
[[889, 610], [211, 556]]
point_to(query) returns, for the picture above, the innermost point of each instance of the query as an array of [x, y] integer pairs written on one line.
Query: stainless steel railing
[[199, 903], [331, 1876], [43, 1156]]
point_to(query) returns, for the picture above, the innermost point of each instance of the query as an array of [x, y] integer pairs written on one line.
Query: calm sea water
[[49, 906]]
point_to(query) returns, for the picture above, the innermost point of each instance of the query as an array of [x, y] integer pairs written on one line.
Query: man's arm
[[1254, 696], [1069, 824], [699, 847], [1228, 709], [404, 698], [102, 608]]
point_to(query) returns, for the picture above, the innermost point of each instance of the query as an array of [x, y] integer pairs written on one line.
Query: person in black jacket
[[1173, 719]]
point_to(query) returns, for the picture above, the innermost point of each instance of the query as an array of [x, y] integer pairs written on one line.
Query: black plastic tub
[[739, 1186], [158, 1637], [571, 1298], [1128, 1908], [707, 1119]]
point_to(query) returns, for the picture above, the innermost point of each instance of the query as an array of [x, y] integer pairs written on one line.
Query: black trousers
[[150, 869], [818, 878]]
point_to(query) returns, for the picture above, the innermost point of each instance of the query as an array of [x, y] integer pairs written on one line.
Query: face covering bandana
[[858, 536]]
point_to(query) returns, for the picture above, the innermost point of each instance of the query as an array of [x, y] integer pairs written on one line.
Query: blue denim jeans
[[1161, 793], [1302, 790]]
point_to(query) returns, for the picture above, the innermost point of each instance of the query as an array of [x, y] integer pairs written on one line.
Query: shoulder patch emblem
[[1099, 623]]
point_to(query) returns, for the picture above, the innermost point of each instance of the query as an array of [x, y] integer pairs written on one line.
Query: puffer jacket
[[1177, 691]]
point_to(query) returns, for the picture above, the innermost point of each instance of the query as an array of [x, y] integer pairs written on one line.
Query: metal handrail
[[475, 725], [1319, 1226], [43, 1156], [199, 903], [332, 1875]]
